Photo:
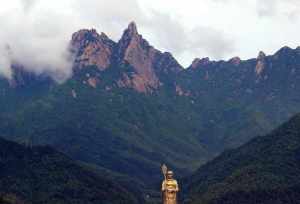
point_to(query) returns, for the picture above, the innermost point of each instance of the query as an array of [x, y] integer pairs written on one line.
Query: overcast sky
[[38, 31]]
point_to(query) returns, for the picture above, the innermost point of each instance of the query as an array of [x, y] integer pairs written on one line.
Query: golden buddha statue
[[169, 188]]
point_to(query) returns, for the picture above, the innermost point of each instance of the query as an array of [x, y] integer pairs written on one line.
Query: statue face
[[169, 175]]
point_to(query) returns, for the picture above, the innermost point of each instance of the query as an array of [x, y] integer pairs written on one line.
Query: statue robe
[[170, 190]]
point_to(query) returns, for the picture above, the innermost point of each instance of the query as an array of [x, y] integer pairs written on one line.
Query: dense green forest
[[266, 170], [35, 175]]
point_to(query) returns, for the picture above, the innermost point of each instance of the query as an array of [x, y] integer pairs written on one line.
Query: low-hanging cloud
[[34, 41], [38, 33]]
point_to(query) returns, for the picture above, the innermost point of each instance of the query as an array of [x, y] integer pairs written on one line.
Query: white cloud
[[36, 40], [211, 42]]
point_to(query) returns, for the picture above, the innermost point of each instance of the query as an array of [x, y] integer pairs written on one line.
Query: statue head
[[170, 175]]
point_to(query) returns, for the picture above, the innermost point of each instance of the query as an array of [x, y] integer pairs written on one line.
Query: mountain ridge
[[90, 48]]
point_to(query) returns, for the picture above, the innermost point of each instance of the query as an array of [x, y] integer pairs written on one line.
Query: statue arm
[[176, 186]]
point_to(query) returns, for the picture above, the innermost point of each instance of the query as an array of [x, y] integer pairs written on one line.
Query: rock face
[[260, 63], [90, 48], [235, 61], [197, 63], [132, 50], [137, 52]]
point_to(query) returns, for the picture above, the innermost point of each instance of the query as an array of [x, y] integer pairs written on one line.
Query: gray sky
[[38, 31]]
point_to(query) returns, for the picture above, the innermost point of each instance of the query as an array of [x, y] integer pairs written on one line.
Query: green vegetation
[[32, 175], [265, 170]]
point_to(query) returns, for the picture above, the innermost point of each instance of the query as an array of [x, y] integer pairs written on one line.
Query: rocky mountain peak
[[200, 62], [260, 65], [284, 51], [147, 63], [261, 55], [90, 48], [131, 39], [85, 35], [132, 29], [136, 51], [235, 61]]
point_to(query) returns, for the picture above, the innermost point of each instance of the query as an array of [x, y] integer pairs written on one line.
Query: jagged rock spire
[[260, 65], [90, 48], [130, 39], [130, 33], [200, 62], [261, 55], [137, 52], [132, 29]]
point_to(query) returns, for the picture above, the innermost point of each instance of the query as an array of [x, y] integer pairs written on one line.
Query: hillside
[[31, 175], [265, 170]]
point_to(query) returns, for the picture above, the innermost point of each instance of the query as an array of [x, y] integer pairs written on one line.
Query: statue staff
[[164, 170]]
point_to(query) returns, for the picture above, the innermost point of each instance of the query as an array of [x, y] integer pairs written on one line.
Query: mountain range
[[129, 107]]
